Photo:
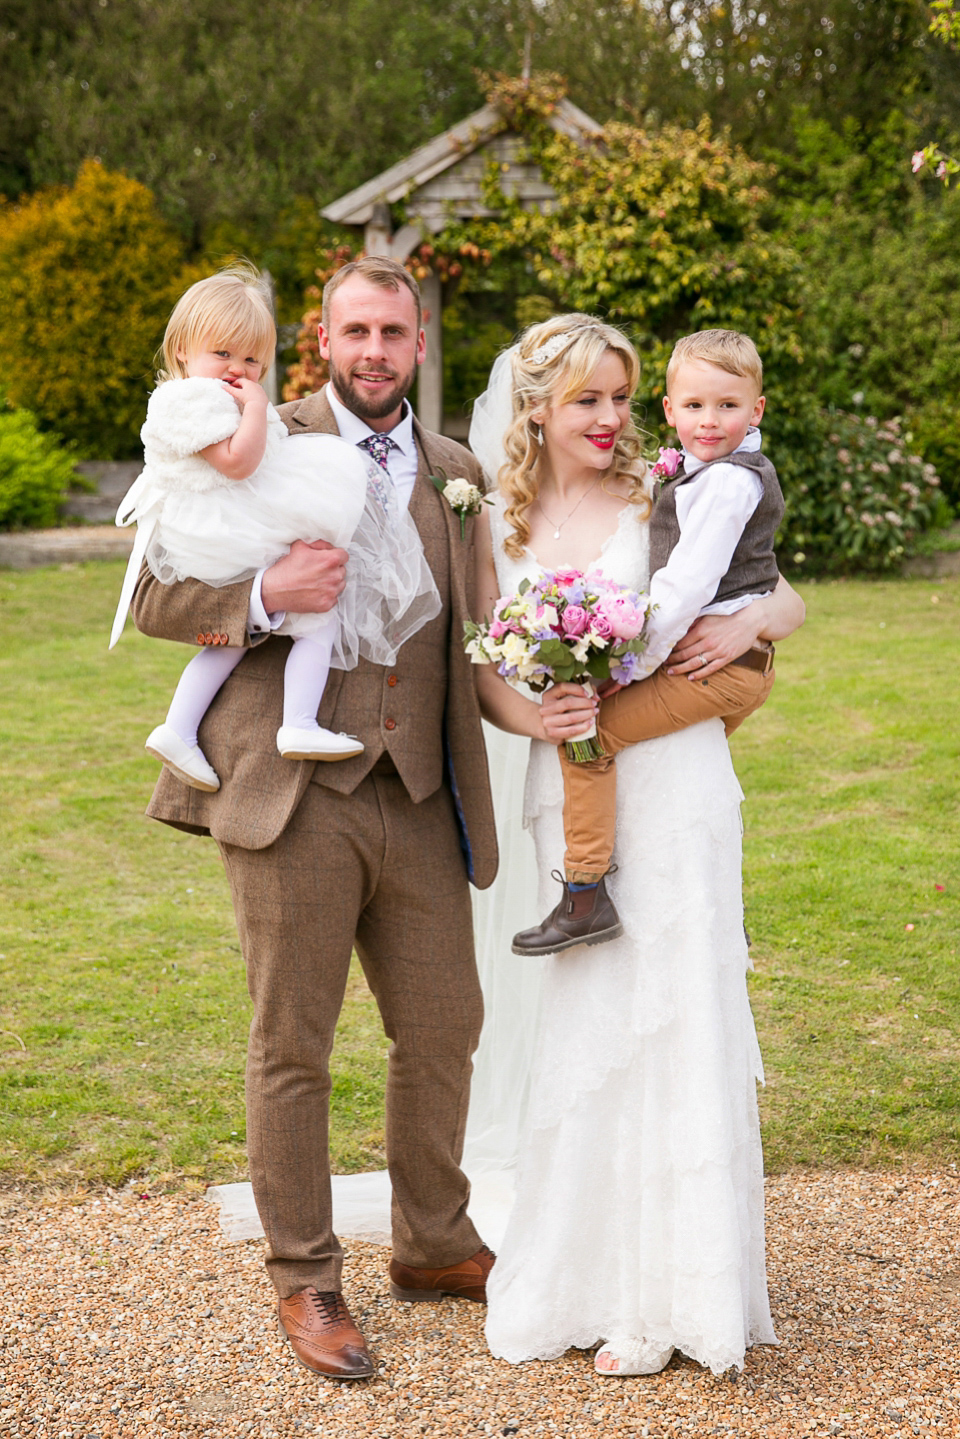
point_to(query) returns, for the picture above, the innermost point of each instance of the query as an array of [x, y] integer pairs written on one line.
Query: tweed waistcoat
[[753, 566], [436, 734], [398, 709]]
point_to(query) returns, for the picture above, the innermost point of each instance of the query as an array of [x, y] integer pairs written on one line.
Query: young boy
[[711, 552]]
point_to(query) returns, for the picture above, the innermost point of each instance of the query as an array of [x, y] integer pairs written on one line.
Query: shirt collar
[[353, 429], [752, 440]]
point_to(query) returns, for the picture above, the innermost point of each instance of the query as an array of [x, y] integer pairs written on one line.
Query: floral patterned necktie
[[378, 447]]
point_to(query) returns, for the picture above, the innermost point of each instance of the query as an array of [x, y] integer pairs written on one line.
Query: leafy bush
[[34, 473], [88, 276], [864, 505]]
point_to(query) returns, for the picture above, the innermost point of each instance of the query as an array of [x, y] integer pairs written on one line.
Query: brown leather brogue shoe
[[466, 1280], [584, 916], [323, 1335]]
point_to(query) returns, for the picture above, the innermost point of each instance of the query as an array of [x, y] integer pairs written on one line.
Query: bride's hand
[[718, 639], [566, 712]]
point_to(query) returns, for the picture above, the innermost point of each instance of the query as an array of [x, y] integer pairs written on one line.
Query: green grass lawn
[[123, 1010]]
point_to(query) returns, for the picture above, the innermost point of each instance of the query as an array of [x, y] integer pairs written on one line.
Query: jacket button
[[199, 639], [391, 680], [215, 640], [208, 639], [390, 724], [224, 639]]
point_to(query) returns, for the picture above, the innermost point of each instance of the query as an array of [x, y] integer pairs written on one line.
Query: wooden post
[[430, 383], [270, 380]]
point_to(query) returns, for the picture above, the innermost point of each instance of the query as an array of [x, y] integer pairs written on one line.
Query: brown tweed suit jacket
[[260, 790]]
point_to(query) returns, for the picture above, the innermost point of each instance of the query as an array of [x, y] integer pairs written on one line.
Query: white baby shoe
[[316, 743], [633, 1356], [186, 762]]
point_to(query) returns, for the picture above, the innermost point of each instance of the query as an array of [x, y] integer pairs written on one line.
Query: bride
[[621, 1079]]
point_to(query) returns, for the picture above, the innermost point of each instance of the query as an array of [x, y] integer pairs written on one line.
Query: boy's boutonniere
[[462, 497], [667, 465]]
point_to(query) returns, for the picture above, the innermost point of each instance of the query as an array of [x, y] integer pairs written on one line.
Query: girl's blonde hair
[[232, 308], [554, 361]]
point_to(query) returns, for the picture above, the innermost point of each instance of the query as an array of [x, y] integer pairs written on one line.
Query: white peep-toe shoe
[[186, 762], [641, 1356], [316, 743]]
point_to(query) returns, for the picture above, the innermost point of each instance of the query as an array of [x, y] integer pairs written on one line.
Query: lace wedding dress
[[638, 1210]]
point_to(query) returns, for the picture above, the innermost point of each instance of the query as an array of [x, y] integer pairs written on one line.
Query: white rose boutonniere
[[462, 497]]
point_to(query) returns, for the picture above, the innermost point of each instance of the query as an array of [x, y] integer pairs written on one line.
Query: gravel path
[[124, 1314]]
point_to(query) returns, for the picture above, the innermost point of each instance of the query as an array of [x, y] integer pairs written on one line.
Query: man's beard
[[370, 407]]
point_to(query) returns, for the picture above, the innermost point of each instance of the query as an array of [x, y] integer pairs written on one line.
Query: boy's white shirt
[[402, 465], [712, 515]]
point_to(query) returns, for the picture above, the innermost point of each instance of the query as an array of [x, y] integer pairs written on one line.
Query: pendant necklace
[[556, 533]]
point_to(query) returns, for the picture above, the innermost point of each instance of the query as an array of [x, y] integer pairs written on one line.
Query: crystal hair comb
[[551, 348]]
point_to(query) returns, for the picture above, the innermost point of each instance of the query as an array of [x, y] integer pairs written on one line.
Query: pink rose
[[567, 577], [666, 466], [498, 629], [574, 621], [626, 620], [600, 624]]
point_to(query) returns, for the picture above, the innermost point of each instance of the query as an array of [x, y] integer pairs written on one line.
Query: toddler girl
[[225, 491]]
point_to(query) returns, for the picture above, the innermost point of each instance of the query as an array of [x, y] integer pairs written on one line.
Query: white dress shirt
[[402, 465], [712, 515]]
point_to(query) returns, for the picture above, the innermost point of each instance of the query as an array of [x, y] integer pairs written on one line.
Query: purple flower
[[624, 669]]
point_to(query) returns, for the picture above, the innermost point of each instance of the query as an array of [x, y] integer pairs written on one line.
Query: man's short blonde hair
[[727, 349], [376, 270]]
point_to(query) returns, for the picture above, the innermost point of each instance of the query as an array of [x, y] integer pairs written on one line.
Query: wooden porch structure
[[441, 182]]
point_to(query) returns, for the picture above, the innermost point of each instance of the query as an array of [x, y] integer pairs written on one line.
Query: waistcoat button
[[390, 724]]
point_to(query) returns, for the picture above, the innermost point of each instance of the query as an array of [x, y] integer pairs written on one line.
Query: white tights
[[304, 680]]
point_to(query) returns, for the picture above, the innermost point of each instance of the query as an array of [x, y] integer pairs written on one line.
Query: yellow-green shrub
[[88, 276]]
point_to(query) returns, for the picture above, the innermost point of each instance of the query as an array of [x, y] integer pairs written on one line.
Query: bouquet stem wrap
[[586, 746]]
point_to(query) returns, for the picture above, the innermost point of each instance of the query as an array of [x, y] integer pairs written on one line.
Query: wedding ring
[[702, 659]]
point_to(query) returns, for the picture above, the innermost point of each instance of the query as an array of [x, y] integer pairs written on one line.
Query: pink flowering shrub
[[871, 498]]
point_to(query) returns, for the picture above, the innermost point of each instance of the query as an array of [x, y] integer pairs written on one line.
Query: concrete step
[[112, 480], [28, 549]]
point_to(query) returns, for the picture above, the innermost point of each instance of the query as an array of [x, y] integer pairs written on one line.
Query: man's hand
[[307, 581], [566, 712]]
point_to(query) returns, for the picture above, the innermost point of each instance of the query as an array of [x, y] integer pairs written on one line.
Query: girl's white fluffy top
[[184, 417]]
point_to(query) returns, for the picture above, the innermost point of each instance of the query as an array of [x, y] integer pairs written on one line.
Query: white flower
[[461, 495]]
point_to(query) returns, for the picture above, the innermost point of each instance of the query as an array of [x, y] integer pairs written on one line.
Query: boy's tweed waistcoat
[[422, 710], [753, 567]]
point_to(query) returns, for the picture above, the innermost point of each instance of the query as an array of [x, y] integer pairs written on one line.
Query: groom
[[373, 852]]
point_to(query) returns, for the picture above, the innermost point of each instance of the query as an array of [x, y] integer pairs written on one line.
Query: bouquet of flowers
[[566, 626]]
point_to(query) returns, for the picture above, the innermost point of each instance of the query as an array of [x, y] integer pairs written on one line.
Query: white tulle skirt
[[309, 487]]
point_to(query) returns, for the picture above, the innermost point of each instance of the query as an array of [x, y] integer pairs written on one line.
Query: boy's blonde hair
[[553, 362], [727, 349], [232, 308]]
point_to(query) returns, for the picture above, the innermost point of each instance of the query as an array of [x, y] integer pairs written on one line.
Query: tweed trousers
[[373, 868]]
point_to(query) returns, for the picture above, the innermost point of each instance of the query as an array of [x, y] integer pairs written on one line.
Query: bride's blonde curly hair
[[554, 361]]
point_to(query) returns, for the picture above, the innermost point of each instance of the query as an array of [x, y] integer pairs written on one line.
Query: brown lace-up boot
[[583, 916]]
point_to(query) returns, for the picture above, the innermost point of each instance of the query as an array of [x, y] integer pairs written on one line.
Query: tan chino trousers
[[648, 708], [376, 869]]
